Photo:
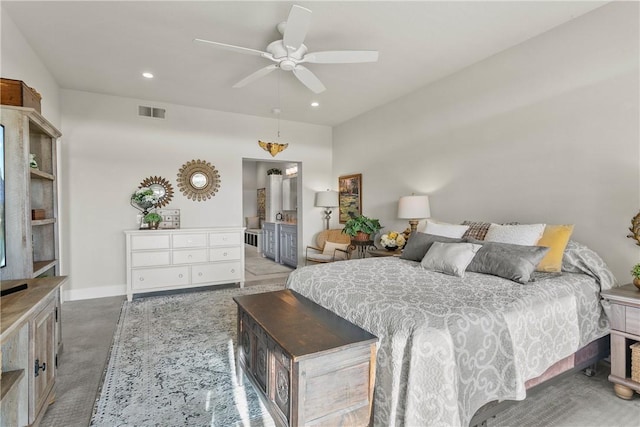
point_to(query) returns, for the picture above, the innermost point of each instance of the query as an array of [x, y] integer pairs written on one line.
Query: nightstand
[[625, 331], [384, 252]]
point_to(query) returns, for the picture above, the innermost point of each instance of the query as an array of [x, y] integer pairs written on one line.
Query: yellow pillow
[[556, 238], [330, 249]]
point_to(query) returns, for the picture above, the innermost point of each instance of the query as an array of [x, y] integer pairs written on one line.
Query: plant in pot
[[153, 219], [361, 227], [635, 272]]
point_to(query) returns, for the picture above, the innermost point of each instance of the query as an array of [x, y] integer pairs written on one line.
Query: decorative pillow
[[447, 230], [524, 234], [252, 221], [330, 249], [513, 262], [449, 258], [419, 243], [556, 238], [477, 230]]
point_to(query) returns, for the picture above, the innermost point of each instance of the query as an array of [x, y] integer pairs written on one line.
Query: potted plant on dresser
[[635, 272], [361, 228]]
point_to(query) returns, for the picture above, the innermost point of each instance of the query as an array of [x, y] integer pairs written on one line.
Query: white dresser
[[160, 260]]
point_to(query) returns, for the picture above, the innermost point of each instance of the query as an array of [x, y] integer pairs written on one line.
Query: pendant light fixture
[[274, 147]]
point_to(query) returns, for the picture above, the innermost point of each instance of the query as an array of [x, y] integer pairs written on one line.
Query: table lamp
[[414, 208], [327, 199]]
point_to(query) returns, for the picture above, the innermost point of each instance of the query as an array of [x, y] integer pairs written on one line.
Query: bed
[[450, 345]]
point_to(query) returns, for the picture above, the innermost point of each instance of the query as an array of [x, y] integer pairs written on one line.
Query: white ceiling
[[105, 46]]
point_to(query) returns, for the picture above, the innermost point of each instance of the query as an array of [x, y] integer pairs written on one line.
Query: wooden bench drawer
[[632, 320]]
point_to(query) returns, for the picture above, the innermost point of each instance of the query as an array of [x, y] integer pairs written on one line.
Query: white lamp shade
[[326, 199], [414, 207]]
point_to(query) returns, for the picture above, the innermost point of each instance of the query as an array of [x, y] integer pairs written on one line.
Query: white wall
[[109, 150], [547, 131], [18, 61]]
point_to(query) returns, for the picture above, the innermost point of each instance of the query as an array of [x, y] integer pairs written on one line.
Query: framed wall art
[[262, 202], [350, 196]]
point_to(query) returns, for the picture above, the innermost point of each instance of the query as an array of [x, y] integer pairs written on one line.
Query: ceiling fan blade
[[308, 79], [255, 76], [297, 26], [233, 48], [341, 56]]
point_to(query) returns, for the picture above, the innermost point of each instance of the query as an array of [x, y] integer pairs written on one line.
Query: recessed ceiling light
[[315, 104], [147, 75]]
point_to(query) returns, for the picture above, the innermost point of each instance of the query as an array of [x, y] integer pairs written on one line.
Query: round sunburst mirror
[[160, 187], [198, 180]]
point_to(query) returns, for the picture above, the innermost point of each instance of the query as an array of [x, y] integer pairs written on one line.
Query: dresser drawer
[[150, 259], [190, 240], [219, 239], [159, 277], [151, 241], [224, 254], [189, 256], [633, 320], [219, 272]]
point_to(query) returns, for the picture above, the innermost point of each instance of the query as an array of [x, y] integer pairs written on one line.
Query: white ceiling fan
[[290, 53]]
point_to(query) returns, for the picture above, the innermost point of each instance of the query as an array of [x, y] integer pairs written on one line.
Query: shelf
[[40, 267], [38, 174], [36, 222], [9, 380]]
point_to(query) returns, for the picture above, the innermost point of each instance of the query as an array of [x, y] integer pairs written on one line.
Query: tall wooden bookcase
[[32, 244], [31, 331]]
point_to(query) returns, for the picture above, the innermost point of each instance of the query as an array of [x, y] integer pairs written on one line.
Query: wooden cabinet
[[159, 260], [30, 341], [625, 331], [270, 240], [310, 366], [32, 244], [288, 244]]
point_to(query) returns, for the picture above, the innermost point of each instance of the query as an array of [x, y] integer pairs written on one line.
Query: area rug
[[259, 266], [172, 364]]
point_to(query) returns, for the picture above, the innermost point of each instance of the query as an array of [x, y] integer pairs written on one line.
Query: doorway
[[271, 207]]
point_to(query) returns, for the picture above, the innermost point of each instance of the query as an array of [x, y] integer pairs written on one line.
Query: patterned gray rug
[[172, 364]]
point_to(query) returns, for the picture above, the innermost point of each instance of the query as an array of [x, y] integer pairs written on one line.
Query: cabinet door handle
[[38, 368]]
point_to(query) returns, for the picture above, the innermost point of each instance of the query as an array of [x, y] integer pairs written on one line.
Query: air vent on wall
[[157, 113]]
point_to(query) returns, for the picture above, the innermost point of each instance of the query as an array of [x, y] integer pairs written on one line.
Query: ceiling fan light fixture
[[315, 104], [147, 75]]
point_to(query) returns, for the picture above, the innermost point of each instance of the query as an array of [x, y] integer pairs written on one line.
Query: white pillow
[[447, 230], [330, 249], [522, 234], [449, 258]]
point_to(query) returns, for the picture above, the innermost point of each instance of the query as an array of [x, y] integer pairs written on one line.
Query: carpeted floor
[[172, 364], [259, 266]]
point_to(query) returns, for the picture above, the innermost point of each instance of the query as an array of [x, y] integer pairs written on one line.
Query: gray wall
[[546, 131]]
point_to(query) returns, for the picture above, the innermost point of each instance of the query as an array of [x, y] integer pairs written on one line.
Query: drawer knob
[[190, 256], [180, 276], [233, 270], [200, 274], [224, 254], [142, 279]]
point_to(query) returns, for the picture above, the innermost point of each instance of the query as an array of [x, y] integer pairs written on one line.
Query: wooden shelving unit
[[32, 245]]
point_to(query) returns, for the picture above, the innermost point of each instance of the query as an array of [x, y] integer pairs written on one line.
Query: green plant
[[361, 224], [274, 171], [635, 271], [152, 217]]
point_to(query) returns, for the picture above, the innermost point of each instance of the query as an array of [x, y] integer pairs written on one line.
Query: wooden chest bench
[[309, 365]]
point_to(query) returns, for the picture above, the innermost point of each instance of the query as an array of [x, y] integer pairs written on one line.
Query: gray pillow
[[513, 262], [449, 258], [419, 243]]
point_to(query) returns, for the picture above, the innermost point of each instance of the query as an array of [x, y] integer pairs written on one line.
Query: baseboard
[[94, 292]]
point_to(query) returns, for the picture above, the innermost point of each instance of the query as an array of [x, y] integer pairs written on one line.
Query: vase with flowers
[[144, 199], [392, 241]]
